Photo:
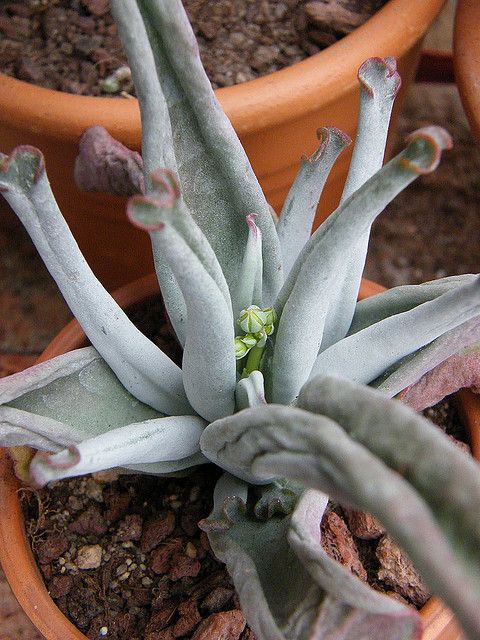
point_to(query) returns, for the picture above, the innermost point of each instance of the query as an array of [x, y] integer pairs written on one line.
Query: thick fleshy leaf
[[165, 205], [140, 365], [367, 354], [379, 85], [380, 82], [442, 476], [359, 460], [208, 365], [152, 441], [402, 298], [248, 290], [65, 400], [250, 391], [219, 185], [105, 164], [278, 594], [295, 223], [303, 304]]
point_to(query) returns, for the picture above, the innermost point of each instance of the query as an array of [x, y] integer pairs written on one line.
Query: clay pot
[[466, 60], [16, 557], [275, 116]]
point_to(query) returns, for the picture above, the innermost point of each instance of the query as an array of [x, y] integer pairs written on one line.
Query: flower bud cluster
[[257, 324]]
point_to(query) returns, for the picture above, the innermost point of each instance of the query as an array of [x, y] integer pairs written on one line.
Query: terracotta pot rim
[[29, 588], [389, 32], [466, 60]]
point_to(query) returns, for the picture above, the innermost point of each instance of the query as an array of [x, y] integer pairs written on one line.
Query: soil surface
[[72, 45]]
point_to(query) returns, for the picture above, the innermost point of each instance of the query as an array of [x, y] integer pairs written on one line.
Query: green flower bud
[[252, 319], [269, 328], [241, 349], [261, 338], [270, 316], [250, 340]]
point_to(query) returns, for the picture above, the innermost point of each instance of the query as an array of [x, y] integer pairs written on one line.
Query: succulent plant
[[280, 362]]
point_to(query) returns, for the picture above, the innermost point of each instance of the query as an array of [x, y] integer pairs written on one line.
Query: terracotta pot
[[16, 557], [466, 60], [275, 116]]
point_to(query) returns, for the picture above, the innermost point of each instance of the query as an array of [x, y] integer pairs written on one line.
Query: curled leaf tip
[[30, 162], [232, 508], [327, 136], [377, 73], [252, 226], [145, 212], [43, 460], [165, 183], [424, 149]]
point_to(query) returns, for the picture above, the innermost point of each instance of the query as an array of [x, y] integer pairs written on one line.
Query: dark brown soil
[[123, 556], [72, 46]]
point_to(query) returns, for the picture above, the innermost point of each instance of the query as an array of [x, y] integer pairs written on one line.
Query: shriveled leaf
[[140, 365], [459, 371], [303, 305], [105, 164], [152, 441]]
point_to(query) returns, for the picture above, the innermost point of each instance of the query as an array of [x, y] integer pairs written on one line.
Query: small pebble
[[89, 557]]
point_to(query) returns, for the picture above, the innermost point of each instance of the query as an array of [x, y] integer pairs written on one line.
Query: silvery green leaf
[[295, 223], [303, 305], [65, 400], [402, 298], [356, 450], [208, 365], [184, 116], [367, 354], [441, 475], [152, 441], [250, 391], [140, 365], [278, 591], [166, 205], [379, 85], [248, 290]]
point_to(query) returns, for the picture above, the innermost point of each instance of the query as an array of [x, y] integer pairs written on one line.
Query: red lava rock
[[363, 525], [166, 634], [160, 619], [89, 522], [338, 542], [96, 7], [188, 620], [130, 528], [217, 599], [227, 625], [51, 548], [183, 566], [160, 558], [155, 531], [60, 586], [398, 572], [117, 504]]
